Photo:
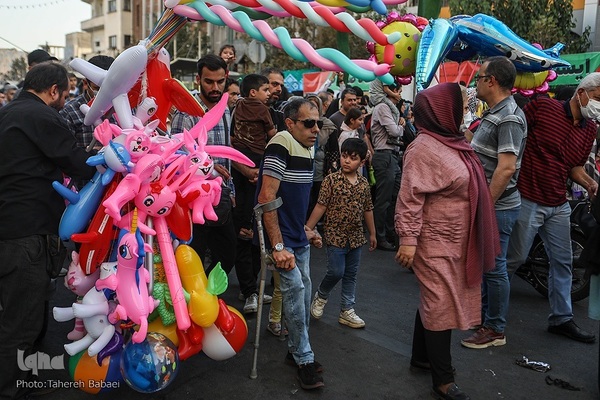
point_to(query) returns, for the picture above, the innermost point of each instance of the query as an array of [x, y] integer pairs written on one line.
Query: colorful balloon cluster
[[401, 54], [299, 49], [463, 37], [148, 185]]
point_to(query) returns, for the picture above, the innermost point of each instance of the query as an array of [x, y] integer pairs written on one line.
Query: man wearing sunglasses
[[287, 172]]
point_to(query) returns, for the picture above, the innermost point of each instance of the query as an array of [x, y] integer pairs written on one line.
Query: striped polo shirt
[[291, 163], [554, 147]]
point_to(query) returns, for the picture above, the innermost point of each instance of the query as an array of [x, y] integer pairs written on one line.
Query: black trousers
[[433, 347], [23, 294], [247, 266], [220, 240]]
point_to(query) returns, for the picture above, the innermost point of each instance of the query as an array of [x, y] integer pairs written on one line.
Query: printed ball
[[151, 365], [220, 345], [92, 378], [405, 49]]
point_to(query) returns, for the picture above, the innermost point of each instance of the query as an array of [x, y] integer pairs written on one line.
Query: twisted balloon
[[320, 15], [299, 49]]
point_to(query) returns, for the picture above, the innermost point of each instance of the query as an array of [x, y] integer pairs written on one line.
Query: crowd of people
[[457, 194]]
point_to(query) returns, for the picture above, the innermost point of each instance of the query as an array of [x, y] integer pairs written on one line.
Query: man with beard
[[220, 236], [275, 77], [247, 260], [36, 147]]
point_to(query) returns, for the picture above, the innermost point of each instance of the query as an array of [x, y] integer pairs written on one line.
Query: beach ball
[[151, 365], [220, 345], [92, 378]]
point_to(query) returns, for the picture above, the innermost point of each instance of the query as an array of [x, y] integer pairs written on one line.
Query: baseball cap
[[39, 56]]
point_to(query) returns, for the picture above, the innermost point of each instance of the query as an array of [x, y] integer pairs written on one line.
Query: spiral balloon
[[320, 15], [299, 49]]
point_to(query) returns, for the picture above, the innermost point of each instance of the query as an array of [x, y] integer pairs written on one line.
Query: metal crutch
[[265, 260]]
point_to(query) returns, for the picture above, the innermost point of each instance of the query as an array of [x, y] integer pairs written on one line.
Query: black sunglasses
[[309, 123], [478, 77]]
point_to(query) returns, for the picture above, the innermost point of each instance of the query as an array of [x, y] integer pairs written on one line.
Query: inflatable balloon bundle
[[131, 219], [402, 54], [463, 37], [247, 16]]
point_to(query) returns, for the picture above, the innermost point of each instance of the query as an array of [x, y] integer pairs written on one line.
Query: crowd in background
[[424, 179]]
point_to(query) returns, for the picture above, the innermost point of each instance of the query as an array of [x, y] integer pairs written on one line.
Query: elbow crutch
[[265, 260]]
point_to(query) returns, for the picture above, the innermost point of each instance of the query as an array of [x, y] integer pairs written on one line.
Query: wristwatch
[[278, 247]]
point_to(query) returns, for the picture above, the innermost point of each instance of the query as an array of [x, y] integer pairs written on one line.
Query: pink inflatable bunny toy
[[131, 283], [205, 191], [147, 170], [79, 283]]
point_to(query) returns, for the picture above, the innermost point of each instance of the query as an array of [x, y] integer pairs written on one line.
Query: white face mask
[[591, 110], [468, 119]]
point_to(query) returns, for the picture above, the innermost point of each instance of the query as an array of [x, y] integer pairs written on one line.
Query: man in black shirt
[[36, 148]]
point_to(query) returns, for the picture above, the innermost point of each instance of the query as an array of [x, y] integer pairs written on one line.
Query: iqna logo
[[39, 360]]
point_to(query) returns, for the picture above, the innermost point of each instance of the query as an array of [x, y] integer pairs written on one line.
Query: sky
[[27, 24]]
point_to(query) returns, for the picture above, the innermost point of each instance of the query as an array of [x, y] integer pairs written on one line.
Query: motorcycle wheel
[[580, 288]]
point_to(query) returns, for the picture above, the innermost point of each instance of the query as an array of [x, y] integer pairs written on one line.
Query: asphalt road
[[372, 363]]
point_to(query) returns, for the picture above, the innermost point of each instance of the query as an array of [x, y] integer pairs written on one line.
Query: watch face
[[279, 247]]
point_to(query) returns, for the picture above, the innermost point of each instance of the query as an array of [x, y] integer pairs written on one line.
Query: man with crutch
[[287, 172]]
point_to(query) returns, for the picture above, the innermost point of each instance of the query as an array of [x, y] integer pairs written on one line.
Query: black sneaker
[[289, 359], [309, 377]]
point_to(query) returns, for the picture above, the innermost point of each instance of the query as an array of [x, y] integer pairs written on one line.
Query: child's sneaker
[[349, 318], [317, 306], [309, 377], [276, 329]]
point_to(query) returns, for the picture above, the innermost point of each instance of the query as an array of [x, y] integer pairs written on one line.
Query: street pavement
[[372, 363]]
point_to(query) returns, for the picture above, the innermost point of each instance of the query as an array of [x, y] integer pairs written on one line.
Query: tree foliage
[[537, 21], [18, 70]]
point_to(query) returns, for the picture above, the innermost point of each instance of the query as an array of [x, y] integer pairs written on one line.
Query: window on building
[[112, 6], [127, 41], [126, 5], [97, 43], [112, 42]]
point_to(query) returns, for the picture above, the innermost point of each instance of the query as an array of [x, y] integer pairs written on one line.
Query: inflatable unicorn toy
[[131, 283]]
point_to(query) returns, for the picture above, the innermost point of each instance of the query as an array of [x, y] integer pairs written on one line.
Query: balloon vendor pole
[[166, 27], [265, 260], [150, 260]]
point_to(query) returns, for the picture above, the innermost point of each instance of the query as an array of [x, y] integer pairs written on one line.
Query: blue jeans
[[296, 292], [342, 263], [495, 288], [553, 225]]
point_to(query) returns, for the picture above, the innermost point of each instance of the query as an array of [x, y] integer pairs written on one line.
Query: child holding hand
[[345, 200]]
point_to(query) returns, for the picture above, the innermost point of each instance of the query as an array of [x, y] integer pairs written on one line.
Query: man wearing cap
[[35, 57], [39, 56]]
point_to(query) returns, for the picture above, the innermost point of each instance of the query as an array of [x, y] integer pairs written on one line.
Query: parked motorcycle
[[535, 269]]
